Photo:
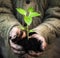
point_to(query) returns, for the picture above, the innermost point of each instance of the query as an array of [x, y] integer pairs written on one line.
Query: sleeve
[[50, 28], [7, 22], [7, 19]]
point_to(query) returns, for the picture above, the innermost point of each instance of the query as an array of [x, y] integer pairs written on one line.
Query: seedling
[[27, 16]]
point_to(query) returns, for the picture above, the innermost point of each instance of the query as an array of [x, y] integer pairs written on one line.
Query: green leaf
[[30, 9], [21, 27], [21, 11], [31, 31], [28, 20], [34, 14]]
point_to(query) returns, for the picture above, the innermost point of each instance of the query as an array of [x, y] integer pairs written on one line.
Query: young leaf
[[31, 31], [21, 27], [28, 20], [34, 14], [30, 9], [21, 11]]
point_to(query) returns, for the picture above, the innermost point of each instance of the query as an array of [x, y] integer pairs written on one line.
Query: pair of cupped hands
[[21, 45]]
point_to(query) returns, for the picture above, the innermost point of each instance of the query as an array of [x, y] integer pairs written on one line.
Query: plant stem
[[27, 32]]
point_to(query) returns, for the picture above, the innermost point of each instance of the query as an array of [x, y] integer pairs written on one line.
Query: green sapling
[[27, 16]]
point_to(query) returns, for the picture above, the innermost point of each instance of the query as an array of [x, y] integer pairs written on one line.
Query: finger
[[15, 46], [32, 53], [18, 52], [24, 34], [37, 37], [44, 44]]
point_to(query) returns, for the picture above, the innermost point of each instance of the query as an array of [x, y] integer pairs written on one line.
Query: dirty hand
[[38, 44], [15, 35]]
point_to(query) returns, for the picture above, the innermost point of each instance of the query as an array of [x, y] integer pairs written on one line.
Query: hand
[[38, 44], [16, 35]]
